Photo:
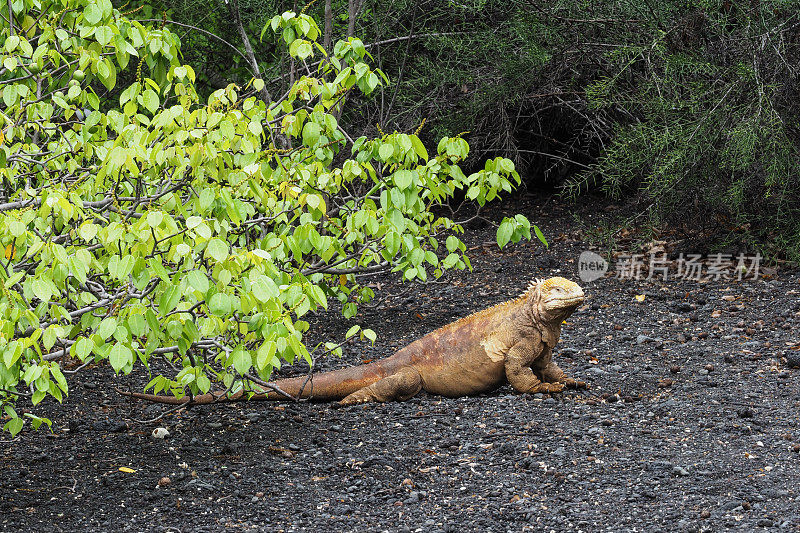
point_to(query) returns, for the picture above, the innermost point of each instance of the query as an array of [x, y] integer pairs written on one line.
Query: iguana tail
[[327, 386]]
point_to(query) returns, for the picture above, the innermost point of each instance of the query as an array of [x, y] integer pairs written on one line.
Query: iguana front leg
[[553, 374], [518, 369]]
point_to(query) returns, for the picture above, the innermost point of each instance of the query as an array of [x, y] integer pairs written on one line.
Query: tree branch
[[233, 7]]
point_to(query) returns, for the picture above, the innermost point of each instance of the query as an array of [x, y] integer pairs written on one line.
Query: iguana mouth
[[569, 300]]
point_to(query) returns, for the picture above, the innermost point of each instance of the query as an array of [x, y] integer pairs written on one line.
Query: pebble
[[731, 505], [214, 425], [745, 413], [680, 471], [641, 339], [160, 433], [793, 359]]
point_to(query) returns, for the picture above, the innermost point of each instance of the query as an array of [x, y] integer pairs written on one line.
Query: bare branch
[[233, 7]]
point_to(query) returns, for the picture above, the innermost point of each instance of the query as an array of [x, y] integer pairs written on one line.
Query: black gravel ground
[[691, 424]]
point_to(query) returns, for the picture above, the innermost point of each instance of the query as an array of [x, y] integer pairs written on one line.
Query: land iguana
[[510, 342]]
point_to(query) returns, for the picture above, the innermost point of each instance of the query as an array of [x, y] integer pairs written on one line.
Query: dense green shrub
[[689, 108], [141, 222]]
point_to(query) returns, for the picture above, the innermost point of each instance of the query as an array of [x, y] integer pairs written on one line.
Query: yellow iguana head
[[557, 297]]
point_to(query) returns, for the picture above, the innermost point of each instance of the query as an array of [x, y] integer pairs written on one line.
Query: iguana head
[[556, 298]]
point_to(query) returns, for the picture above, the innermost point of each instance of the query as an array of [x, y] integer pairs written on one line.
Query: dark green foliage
[[704, 121], [691, 108]]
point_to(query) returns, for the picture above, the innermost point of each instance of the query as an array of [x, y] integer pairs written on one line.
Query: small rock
[[796, 448], [214, 425], [200, 484], [160, 433], [764, 522], [164, 481], [709, 368], [745, 413], [793, 359], [705, 513], [680, 471], [730, 505], [641, 339], [674, 369]]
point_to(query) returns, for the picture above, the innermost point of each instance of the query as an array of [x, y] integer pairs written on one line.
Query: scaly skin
[[510, 342]]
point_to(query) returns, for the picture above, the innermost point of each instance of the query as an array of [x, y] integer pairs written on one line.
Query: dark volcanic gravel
[[690, 424]]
